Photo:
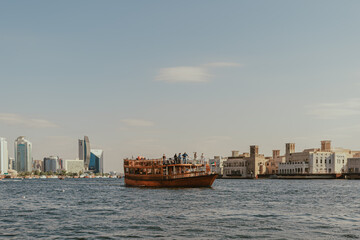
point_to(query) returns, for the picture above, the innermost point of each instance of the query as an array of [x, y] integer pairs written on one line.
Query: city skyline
[[153, 78]]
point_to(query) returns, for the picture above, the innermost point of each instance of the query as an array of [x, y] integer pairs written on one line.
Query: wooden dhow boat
[[159, 173]]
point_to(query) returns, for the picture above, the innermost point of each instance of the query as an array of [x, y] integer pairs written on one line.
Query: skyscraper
[[23, 154], [96, 161], [84, 151], [51, 164], [4, 156], [81, 149]]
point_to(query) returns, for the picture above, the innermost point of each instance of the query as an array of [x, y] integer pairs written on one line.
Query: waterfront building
[[51, 164], [217, 164], [353, 165], [38, 165], [23, 155], [245, 165], [272, 163], [74, 166], [96, 161], [315, 160], [4, 156], [84, 151]]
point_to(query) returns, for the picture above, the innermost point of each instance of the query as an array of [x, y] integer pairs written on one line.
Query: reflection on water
[[105, 208]]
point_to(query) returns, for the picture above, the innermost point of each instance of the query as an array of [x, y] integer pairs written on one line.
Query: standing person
[[175, 158], [164, 159], [202, 158], [179, 157], [184, 157]]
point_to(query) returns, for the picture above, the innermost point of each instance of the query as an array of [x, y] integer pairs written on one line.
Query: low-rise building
[[74, 166], [245, 165], [353, 165], [38, 165], [217, 164], [315, 160]]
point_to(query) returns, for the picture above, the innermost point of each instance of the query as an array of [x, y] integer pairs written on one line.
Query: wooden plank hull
[[196, 181]]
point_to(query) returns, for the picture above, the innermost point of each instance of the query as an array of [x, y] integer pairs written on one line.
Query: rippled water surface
[[237, 209]]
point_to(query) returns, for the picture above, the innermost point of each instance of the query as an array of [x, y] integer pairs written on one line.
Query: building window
[[329, 161]]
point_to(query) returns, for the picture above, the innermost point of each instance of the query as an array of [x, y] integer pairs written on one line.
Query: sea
[[230, 209]]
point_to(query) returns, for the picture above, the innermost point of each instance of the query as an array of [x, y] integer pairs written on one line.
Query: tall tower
[[290, 148], [326, 146], [254, 151], [86, 152], [276, 153], [23, 155], [81, 149], [4, 156]]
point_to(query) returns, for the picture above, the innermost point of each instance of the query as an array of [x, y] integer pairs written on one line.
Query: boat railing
[[185, 175]]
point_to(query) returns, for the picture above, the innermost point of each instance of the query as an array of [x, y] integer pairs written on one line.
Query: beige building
[[272, 165], [315, 160], [245, 165], [74, 166]]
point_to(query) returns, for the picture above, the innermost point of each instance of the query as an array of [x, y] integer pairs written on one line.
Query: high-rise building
[[4, 156], [81, 149], [23, 155], [51, 164], [84, 151], [96, 161]]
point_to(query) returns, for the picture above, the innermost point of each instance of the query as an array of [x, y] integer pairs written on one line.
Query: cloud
[[15, 119], [137, 122], [183, 74], [223, 64], [191, 74], [347, 108]]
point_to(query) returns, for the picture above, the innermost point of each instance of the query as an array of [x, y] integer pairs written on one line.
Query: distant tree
[[37, 173], [63, 172]]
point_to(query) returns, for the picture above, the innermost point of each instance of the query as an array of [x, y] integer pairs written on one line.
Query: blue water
[[231, 209]]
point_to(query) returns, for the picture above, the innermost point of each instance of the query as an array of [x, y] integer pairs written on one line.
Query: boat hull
[[196, 181]]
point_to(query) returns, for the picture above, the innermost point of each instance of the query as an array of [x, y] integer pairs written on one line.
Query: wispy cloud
[[15, 119], [191, 74], [183, 74], [137, 122], [346, 108]]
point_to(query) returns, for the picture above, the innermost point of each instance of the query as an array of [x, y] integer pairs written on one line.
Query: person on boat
[[175, 158], [164, 159], [179, 158], [184, 157]]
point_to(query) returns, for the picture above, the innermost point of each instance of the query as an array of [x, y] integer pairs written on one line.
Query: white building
[[23, 155], [217, 164], [314, 161], [4, 156], [74, 166]]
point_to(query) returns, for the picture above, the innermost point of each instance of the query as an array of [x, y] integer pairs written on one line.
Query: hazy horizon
[[154, 77]]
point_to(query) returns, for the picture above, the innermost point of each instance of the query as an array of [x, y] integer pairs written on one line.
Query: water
[[231, 209]]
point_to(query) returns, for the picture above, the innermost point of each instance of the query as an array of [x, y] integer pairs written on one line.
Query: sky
[[162, 77]]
